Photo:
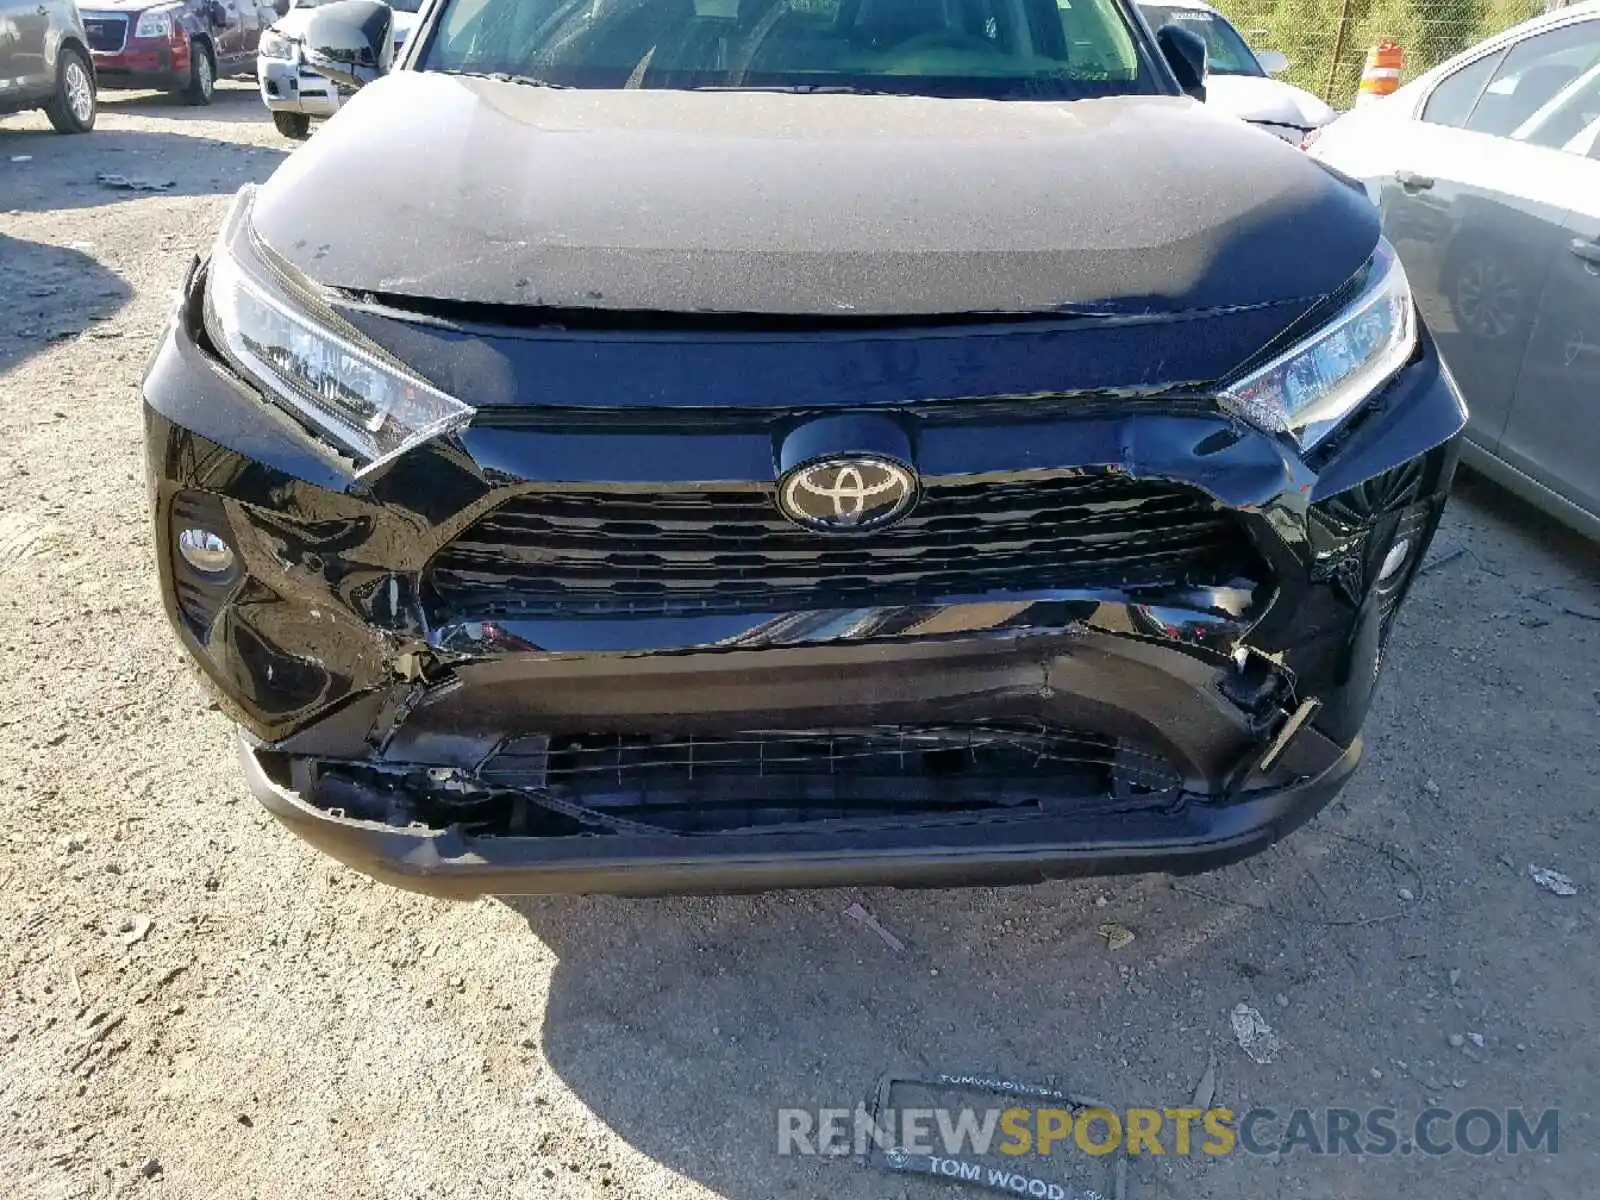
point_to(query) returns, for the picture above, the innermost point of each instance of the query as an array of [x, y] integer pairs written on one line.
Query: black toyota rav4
[[695, 445]]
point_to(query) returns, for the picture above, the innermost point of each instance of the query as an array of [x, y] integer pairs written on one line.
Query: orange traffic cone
[[1381, 75]]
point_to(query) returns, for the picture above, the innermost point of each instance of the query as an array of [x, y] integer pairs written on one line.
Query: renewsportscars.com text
[[968, 1132]]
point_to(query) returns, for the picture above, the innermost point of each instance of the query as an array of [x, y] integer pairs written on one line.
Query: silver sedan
[[1487, 171]]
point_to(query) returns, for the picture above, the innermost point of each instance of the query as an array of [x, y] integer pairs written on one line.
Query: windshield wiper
[[505, 77]]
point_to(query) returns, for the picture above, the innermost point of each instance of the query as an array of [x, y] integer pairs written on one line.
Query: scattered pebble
[[1206, 1090], [1407, 895], [1116, 936], [1254, 1035], [134, 929], [1457, 1040], [71, 843], [859, 913], [125, 184], [1281, 1000], [1431, 787], [1455, 976], [1375, 1073], [150, 1168], [1476, 1039], [1552, 881]]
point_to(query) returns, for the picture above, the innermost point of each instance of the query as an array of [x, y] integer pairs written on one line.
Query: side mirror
[[1273, 62], [350, 41], [1184, 50], [281, 7]]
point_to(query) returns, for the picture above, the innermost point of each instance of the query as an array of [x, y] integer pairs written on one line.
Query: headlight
[[1311, 388], [156, 23], [277, 331], [275, 45]]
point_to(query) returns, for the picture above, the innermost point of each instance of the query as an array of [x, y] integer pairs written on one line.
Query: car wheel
[[202, 75], [72, 109], [293, 125]]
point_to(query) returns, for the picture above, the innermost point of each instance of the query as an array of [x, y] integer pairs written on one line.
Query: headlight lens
[[157, 23], [307, 360], [1308, 390], [275, 45]]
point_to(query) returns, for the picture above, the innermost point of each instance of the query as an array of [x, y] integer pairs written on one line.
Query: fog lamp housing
[[205, 565], [206, 551]]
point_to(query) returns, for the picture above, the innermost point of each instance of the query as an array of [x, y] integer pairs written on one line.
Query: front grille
[[609, 553], [761, 778], [107, 32]]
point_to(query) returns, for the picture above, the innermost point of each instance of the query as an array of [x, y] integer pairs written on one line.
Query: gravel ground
[[194, 1005]]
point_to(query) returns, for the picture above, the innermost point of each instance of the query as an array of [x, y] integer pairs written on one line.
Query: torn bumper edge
[[450, 864]]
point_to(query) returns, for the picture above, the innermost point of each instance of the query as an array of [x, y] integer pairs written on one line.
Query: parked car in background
[[182, 46], [1487, 173], [652, 447], [1240, 81], [45, 63], [292, 91]]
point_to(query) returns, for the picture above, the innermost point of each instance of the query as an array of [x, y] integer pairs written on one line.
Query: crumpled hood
[[1258, 98], [484, 191]]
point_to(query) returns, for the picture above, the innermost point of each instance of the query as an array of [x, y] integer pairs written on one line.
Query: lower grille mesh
[[758, 778], [582, 553]]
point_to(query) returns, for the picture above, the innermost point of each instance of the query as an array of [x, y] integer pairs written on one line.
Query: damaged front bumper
[[449, 861], [1034, 743], [288, 85], [408, 710]]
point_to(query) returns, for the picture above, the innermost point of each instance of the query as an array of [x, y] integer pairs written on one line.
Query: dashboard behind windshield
[[1226, 51], [405, 6], [1000, 49]]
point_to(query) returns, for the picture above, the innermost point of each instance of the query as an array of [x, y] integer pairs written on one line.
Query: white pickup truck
[[293, 91]]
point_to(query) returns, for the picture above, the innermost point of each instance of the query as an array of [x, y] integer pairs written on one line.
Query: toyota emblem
[[847, 494]]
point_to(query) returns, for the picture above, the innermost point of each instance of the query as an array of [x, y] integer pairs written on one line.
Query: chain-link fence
[[1327, 40]]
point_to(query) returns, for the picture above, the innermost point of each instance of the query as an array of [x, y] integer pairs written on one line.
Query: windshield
[[1226, 52], [1000, 49]]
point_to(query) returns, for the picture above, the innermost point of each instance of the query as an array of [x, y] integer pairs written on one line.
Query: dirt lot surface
[[194, 1005]]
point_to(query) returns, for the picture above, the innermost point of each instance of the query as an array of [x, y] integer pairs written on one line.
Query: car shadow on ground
[[52, 294], [687, 1024], [235, 102], [56, 173], [1510, 516]]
